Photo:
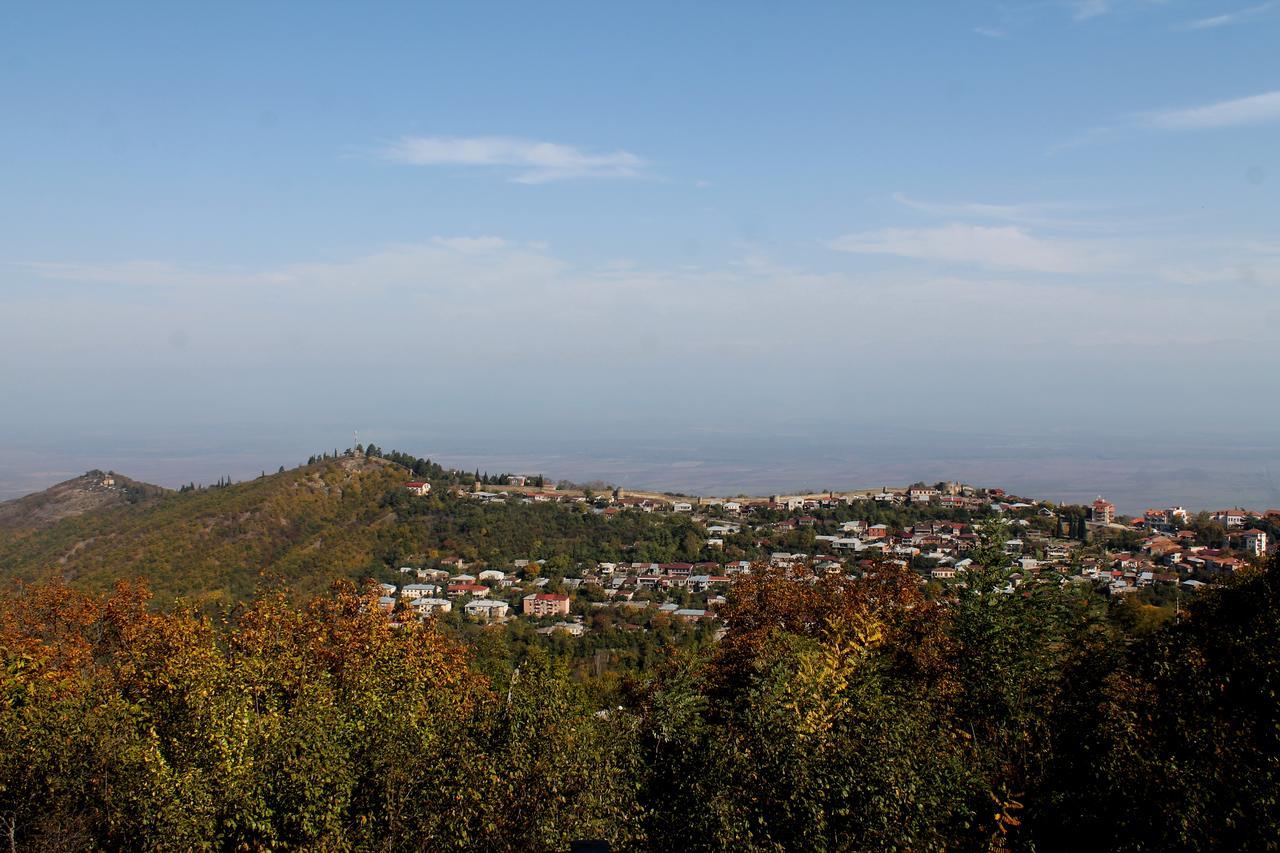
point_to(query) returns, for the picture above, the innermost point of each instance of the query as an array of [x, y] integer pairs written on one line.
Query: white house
[[418, 590], [486, 609], [1254, 542], [425, 607]]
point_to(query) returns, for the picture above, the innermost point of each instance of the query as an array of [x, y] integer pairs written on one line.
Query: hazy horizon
[[1028, 243], [1133, 472]]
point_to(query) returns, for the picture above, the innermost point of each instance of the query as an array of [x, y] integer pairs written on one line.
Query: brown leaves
[[886, 601]]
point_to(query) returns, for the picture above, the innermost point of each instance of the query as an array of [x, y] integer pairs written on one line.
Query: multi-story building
[[546, 604], [486, 609], [1104, 512], [1254, 542]]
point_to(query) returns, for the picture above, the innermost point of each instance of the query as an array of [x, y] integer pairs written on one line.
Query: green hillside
[[309, 525], [333, 518]]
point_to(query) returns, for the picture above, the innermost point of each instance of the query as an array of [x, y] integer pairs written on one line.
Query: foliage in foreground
[[324, 727], [838, 714]]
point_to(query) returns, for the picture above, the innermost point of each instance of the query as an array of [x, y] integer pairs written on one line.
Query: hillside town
[[931, 529]]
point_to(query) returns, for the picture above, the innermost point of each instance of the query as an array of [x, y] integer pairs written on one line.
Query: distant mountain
[[90, 492], [309, 525]]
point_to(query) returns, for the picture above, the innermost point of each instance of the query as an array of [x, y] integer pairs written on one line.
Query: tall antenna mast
[[355, 441]]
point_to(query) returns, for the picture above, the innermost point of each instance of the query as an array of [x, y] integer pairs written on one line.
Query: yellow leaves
[[1003, 817], [818, 691]]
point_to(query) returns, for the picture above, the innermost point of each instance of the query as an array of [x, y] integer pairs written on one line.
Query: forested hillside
[[837, 714], [333, 518], [308, 525]]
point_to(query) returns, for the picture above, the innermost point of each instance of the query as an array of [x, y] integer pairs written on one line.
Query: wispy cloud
[[1035, 213], [538, 162], [994, 247], [1236, 112], [1254, 109], [1083, 10], [1229, 18], [991, 32]]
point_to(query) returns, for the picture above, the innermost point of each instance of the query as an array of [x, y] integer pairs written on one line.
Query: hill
[[92, 491], [309, 525], [345, 517]]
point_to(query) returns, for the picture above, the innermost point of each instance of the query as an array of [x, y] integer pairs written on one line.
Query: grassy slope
[[308, 525]]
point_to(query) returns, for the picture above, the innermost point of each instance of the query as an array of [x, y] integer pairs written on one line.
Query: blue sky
[[1047, 216]]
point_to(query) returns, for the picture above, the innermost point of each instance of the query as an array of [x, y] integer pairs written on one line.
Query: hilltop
[[91, 492], [308, 524]]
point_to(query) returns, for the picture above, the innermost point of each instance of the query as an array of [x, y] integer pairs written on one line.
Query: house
[[491, 575], [475, 590], [1225, 564], [682, 506], [573, 629], [923, 495], [516, 480], [388, 588], [1230, 517], [1254, 542], [486, 610], [690, 613], [943, 572], [418, 590], [425, 607], [418, 487], [545, 604]]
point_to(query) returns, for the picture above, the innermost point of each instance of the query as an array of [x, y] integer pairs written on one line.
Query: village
[[1160, 554]]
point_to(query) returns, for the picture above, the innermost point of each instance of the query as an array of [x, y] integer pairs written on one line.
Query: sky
[[501, 228]]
